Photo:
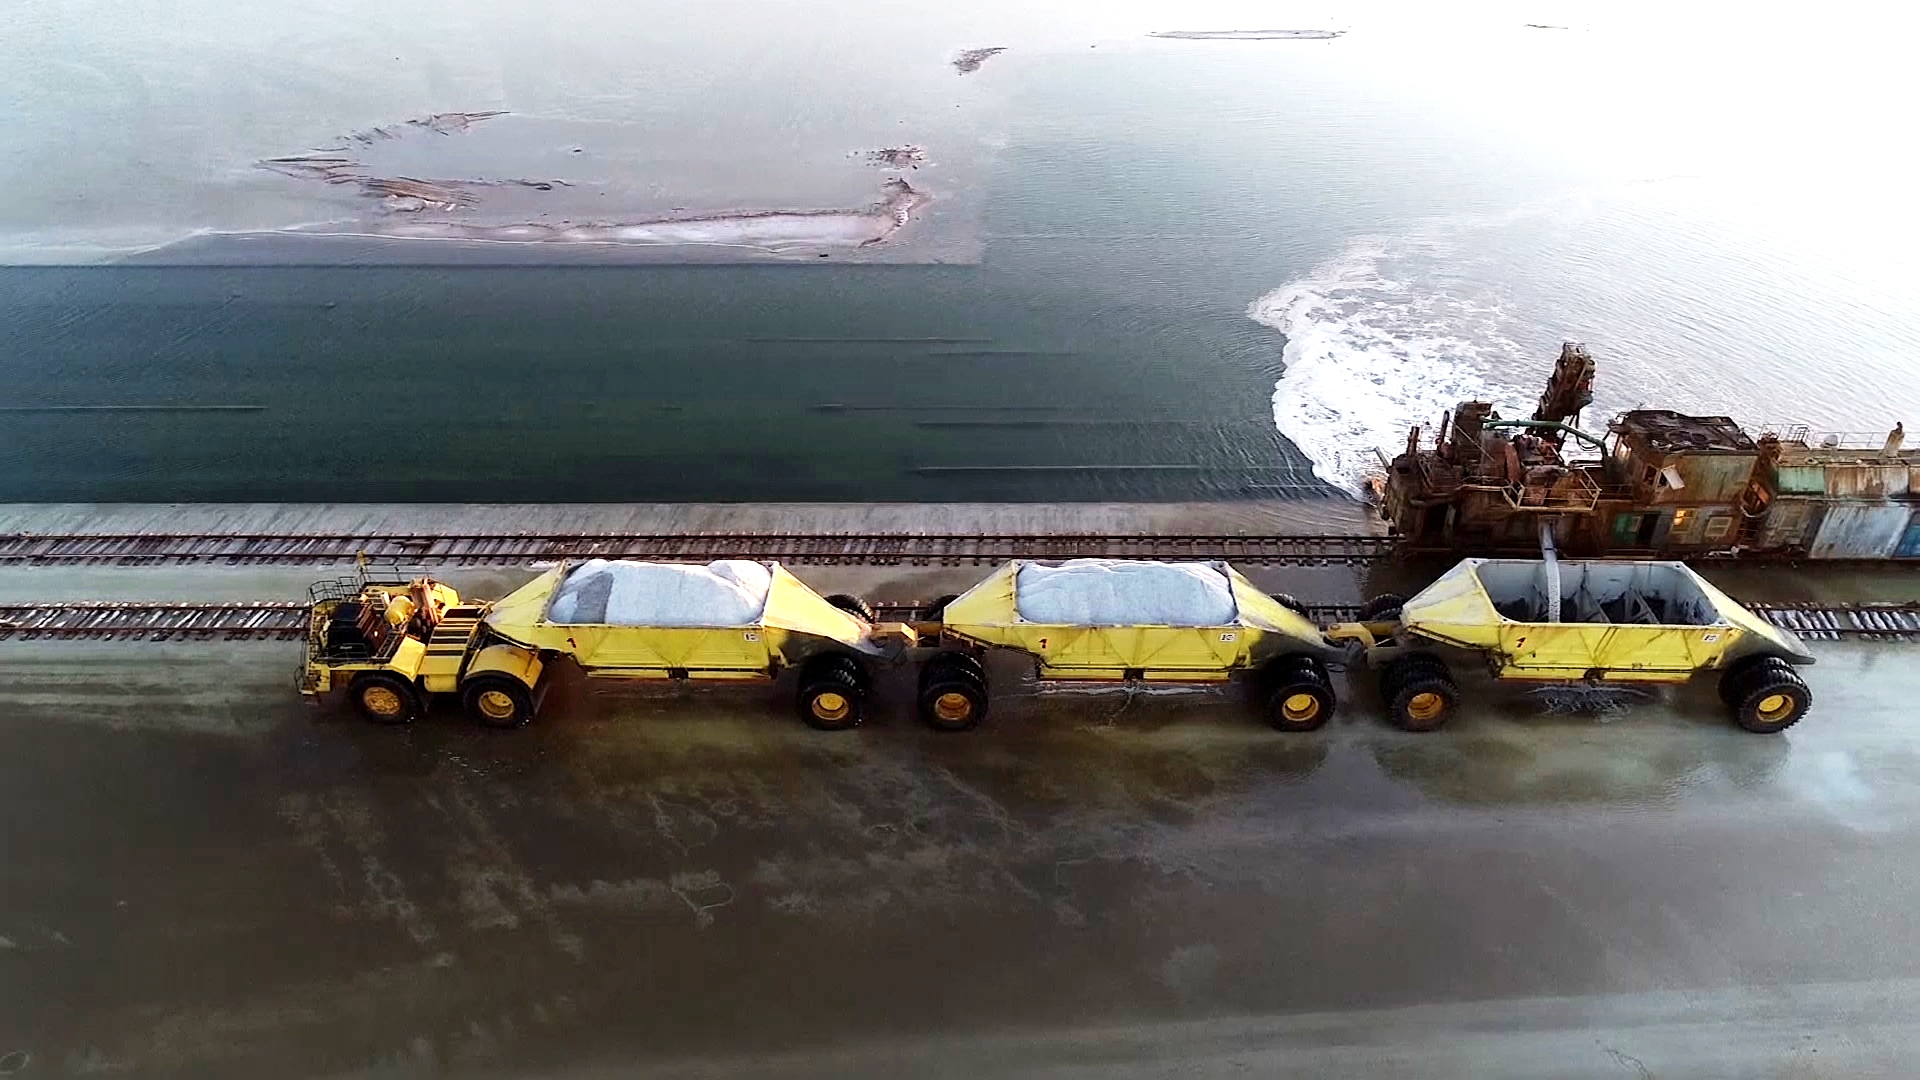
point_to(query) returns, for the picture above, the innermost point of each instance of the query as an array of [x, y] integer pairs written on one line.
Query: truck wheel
[[1383, 608], [1281, 668], [832, 697], [1408, 667], [1424, 701], [1287, 601], [497, 701], [955, 700], [1300, 702], [1771, 701], [941, 665], [938, 609], [385, 698], [853, 605], [1744, 670]]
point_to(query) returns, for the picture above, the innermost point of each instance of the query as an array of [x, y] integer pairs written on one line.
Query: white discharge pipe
[[1552, 556]]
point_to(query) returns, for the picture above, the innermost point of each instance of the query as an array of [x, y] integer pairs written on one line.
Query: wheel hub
[[1299, 707], [382, 701], [831, 705], [497, 704], [953, 706], [1426, 705]]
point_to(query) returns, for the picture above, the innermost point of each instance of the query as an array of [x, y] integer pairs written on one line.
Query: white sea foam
[[1380, 339]]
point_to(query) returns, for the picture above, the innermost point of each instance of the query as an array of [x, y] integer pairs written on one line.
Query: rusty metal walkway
[[287, 620], [915, 549]]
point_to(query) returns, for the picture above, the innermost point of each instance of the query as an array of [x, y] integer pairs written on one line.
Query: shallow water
[[1125, 239]]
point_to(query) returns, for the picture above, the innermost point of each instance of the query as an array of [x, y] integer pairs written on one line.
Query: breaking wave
[[1377, 340]]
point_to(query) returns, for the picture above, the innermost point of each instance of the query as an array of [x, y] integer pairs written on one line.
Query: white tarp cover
[[732, 592], [1101, 592]]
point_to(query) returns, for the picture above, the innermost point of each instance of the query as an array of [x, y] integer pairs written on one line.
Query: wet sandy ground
[[204, 877]]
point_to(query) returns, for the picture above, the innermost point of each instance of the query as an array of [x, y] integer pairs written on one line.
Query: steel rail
[[917, 549], [288, 620], [236, 620]]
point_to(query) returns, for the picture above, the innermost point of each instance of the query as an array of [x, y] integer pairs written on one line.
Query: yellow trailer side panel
[[729, 648], [1572, 650]]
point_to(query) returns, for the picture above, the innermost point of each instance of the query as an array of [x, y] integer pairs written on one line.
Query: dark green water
[[914, 383]]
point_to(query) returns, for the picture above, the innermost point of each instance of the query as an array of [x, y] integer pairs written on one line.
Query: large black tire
[[1302, 703], [945, 663], [1412, 665], [833, 695], [954, 699], [1383, 608], [852, 605], [938, 609], [1420, 693], [1743, 670], [497, 701], [1285, 668], [385, 698], [1771, 701], [1287, 601]]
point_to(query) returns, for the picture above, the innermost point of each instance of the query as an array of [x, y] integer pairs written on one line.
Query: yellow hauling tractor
[[1578, 625], [392, 645]]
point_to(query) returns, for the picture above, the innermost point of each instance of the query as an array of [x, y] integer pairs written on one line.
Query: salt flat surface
[[731, 592], [1104, 592]]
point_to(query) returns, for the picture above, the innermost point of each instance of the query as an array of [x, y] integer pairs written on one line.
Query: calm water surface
[[1152, 269]]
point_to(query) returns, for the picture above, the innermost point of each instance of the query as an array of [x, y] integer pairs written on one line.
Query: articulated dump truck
[[390, 646]]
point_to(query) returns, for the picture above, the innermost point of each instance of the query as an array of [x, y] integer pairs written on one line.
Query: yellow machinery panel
[[1638, 621], [988, 614], [510, 660]]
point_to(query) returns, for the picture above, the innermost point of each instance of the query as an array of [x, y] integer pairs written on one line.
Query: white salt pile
[[1102, 592], [732, 592]]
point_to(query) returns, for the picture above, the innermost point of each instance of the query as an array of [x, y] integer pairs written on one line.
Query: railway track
[[287, 620], [915, 549], [283, 620]]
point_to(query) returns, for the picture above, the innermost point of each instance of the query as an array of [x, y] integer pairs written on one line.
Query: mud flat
[[411, 207], [770, 230], [971, 59]]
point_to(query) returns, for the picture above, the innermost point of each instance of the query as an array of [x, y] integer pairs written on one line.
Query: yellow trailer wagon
[[1586, 623], [1112, 620]]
